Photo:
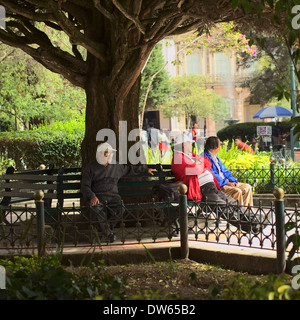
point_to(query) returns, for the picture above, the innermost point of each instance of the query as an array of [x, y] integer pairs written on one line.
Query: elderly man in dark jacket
[[100, 185]]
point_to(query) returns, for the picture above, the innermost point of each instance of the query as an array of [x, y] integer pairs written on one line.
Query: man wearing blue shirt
[[229, 184]]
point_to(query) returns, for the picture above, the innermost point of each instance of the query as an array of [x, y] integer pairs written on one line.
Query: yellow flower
[[282, 288], [271, 296]]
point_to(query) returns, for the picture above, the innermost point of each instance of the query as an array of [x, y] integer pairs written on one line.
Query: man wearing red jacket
[[194, 172]]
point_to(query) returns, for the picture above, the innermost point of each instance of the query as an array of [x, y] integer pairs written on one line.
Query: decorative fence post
[[280, 231], [272, 172], [40, 221], [284, 151], [183, 221]]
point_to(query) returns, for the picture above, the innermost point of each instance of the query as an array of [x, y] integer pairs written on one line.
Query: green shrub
[[270, 287], [45, 278], [234, 158], [5, 163], [59, 144], [247, 130]]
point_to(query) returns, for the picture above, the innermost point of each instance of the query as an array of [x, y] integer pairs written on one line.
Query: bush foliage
[[247, 130], [46, 278], [58, 144], [270, 287]]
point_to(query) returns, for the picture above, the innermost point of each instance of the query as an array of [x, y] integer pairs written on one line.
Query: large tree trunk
[[113, 84], [105, 110]]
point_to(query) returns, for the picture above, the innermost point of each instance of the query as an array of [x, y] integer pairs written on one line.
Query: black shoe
[[245, 224], [111, 238], [250, 228], [107, 238], [256, 224], [176, 234]]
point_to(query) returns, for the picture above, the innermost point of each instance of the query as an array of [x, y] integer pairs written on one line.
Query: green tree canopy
[[31, 94], [192, 98], [160, 87]]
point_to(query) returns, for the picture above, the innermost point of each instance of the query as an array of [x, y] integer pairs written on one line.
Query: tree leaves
[[31, 93], [160, 87], [191, 97]]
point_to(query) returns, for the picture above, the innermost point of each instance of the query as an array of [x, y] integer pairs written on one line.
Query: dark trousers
[[211, 193], [233, 213], [107, 213]]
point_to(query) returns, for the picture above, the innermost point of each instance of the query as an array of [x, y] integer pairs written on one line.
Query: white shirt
[[217, 164], [204, 177]]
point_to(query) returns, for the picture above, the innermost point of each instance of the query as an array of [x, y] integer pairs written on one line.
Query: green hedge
[[57, 145], [247, 130]]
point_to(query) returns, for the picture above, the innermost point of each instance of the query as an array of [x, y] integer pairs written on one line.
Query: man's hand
[[94, 201], [232, 184], [150, 171]]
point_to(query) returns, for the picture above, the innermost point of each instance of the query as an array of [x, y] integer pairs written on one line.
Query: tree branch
[[49, 56], [160, 22], [24, 12], [147, 92], [134, 19], [102, 10], [54, 14], [53, 25], [77, 52], [77, 37], [137, 6], [291, 57], [185, 29]]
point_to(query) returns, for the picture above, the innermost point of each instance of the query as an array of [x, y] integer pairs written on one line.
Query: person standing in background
[[153, 138], [242, 145], [276, 134]]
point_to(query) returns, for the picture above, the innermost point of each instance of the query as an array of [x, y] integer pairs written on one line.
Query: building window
[[222, 65], [193, 63]]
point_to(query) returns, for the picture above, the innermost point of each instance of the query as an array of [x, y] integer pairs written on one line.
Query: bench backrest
[[65, 183]]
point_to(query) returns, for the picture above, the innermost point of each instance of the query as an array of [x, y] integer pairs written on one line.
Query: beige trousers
[[242, 193]]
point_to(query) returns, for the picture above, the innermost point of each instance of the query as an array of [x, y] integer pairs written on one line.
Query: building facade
[[226, 80]]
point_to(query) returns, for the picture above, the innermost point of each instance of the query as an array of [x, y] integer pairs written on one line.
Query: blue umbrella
[[273, 112]]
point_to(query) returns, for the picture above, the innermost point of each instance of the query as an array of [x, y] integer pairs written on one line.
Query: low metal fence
[[266, 180], [255, 227]]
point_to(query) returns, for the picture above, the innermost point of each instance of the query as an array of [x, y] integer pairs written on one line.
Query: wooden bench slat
[[138, 192], [66, 177], [70, 170], [39, 172], [35, 186], [20, 176], [18, 200], [71, 186], [29, 194], [70, 177]]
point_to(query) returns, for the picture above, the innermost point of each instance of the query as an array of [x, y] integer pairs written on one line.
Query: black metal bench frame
[[65, 183]]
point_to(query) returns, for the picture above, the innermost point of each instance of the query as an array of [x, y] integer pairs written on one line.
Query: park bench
[[138, 193], [63, 185]]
